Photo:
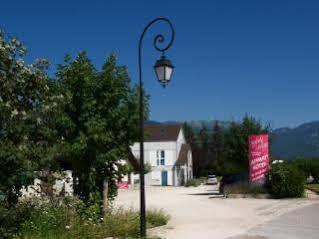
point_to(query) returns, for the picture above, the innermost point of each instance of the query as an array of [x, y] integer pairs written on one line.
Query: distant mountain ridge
[[286, 143], [302, 141]]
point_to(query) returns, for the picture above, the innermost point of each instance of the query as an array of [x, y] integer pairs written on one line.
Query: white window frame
[[160, 157]]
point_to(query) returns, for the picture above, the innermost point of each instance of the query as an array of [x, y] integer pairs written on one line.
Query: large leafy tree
[[28, 139], [103, 117]]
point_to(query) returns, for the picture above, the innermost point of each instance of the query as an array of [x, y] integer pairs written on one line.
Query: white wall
[[180, 140], [66, 183], [150, 149], [172, 150], [190, 164]]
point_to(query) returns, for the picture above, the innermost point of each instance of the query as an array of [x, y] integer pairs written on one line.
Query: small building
[[167, 154]]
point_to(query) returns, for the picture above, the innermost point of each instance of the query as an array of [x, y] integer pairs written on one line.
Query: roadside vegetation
[[287, 181], [71, 218], [310, 171], [195, 182], [309, 168], [313, 187], [244, 188], [223, 151]]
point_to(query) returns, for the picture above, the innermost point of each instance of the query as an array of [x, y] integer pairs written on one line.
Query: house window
[[160, 157]]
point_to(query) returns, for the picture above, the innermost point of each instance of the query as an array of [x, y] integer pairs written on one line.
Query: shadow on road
[[212, 193]]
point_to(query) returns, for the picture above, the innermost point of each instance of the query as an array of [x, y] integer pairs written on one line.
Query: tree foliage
[[217, 149], [103, 116], [309, 167], [28, 139], [237, 143], [287, 181], [225, 149], [85, 119]]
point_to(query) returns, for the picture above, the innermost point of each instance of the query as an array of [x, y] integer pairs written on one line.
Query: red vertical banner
[[258, 158]]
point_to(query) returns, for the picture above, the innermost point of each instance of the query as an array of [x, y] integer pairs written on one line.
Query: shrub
[[194, 182], [287, 181], [11, 218], [121, 224], [47, 219], [156, 218], [244, 188]]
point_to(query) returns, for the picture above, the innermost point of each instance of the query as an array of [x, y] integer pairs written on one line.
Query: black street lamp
[[163, 69]]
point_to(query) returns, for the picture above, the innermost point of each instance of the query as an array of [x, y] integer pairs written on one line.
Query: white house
[[168, 154], [62, 186], [165, 150]]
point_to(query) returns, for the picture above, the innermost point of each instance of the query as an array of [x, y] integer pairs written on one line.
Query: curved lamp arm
[[158, 39]]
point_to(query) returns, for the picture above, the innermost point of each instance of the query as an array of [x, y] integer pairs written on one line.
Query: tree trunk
[[105, 195]]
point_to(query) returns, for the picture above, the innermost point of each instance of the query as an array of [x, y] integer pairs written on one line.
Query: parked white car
[[212, 180]]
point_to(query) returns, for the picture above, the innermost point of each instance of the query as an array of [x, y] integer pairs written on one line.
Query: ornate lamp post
[[163, 69]]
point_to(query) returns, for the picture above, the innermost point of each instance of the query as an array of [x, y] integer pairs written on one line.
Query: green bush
[[121, 224], [11, 218], [156, 218], [244, 188], [194, 182], [287, 181], [309, 167]]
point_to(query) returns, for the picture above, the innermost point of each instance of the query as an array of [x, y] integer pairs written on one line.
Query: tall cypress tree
[[217, 149]]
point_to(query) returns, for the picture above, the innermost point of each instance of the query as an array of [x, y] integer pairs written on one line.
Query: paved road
[[195, 213], [302, 223]]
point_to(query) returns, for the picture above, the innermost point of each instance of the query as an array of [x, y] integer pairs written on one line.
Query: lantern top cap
[[163, 62]]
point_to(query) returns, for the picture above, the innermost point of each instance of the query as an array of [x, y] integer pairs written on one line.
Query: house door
[[182, 177], [164, 178]]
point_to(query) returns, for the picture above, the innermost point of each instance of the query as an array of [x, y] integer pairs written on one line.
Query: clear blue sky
[[231, 57]]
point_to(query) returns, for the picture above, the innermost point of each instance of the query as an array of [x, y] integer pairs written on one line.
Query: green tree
[[203, 154], [28, 139], [103, 112], [191, 139], [217, 149], [189, 133], [236, 143]]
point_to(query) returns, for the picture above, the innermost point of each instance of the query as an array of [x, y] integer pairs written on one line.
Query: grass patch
[[156, 218], [195, 182], [244, 188], [73, 219], [313, 187]]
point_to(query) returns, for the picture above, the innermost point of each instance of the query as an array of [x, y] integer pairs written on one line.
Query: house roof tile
[[162, 132]]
